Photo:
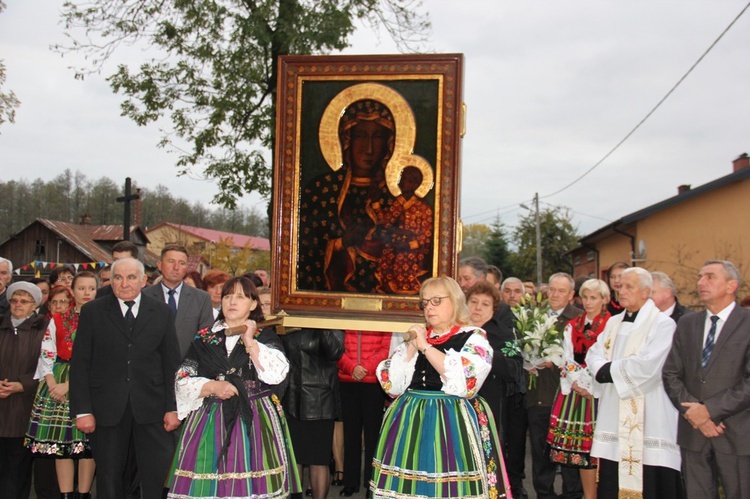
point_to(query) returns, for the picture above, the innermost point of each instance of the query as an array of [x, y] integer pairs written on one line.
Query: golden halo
[[392, 176], [406, 129]]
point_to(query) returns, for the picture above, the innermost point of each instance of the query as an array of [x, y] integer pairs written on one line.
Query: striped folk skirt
[[571, 430], [259, 463], [51, 432], [436, 445]]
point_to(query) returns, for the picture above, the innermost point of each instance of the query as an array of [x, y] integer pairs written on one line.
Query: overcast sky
[[550, 88]]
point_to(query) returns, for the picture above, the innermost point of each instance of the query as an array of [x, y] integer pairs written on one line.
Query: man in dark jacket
[[663, 294], [539, 402], [122, 382]]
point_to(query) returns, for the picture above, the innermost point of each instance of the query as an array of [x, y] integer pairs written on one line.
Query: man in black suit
[[540, 399], [191, 307], [663, 294], [122, 382]]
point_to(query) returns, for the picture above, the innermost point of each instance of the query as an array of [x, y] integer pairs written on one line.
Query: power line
[[576, 212], [654, 108], [495, 210]]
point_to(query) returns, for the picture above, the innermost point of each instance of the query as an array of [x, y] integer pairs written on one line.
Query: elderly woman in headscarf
[[21, 333], [340, 244]]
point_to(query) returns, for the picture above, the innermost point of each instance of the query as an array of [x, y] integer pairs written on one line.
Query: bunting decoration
[[37, 266]]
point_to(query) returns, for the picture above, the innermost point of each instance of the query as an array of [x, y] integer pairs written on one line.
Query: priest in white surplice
[[635, 437]]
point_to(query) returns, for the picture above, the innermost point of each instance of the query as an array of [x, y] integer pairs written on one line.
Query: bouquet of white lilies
[[538, 338]]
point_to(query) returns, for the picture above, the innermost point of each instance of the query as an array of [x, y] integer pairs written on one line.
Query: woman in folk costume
[[574, 410], [438, 439], [52, 433], [235, 440]]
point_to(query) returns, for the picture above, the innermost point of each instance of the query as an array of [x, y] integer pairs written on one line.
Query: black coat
[[506, 371], [679, 311], [111, 367], [313, 391]]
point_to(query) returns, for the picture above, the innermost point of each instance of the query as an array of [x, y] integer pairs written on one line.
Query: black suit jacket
[[505, 370], [679, 311], [111, 366]]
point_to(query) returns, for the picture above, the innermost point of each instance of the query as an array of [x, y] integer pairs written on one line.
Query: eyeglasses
[[66, 278], [17, 301], [59, 302], [434, 301]]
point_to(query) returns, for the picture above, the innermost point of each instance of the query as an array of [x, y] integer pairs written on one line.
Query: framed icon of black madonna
[[366, 183]]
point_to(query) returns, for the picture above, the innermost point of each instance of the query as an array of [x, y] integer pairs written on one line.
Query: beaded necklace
[[439, 340]]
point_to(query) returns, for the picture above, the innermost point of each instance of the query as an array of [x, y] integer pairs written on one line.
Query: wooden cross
[[127, 198]]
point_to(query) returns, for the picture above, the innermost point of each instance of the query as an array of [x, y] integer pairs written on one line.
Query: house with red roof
[[204, 242]]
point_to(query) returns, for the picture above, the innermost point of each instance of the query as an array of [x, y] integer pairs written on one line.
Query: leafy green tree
[[496, 250], [474, 238], [558, 237], [213, 74]]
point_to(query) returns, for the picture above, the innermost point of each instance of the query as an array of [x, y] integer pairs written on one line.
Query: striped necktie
[[709, 346]]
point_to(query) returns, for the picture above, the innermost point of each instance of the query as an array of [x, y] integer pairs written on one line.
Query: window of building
[[39, 248]]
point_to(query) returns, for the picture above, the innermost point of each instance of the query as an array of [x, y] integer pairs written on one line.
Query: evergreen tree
[[496, 250]]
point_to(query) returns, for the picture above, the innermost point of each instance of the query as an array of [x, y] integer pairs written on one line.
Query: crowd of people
[[175, 388]]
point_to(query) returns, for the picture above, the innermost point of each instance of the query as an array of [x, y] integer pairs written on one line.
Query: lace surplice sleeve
[[466, 370], [49, 352]]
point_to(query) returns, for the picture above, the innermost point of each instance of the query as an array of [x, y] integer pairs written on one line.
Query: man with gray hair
[[540, 398], [512, 291], [471, 270], [664, 293], [6, 277], [122, 382], [636, 424], [707, 377]]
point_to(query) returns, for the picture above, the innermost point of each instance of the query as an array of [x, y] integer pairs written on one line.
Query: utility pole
[[538, 224], [538, 241]]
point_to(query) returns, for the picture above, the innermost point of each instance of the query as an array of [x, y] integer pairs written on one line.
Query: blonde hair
[[456, 295], [595, 286]]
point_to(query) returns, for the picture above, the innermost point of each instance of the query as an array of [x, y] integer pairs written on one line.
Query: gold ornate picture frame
[[366, 186]]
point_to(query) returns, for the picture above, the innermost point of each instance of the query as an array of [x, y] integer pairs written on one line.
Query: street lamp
[[538, 237]]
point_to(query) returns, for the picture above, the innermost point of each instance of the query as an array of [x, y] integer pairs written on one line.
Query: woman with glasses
[[52, 433], [62, 275], [60, 300], [438, 439], [21, 333]]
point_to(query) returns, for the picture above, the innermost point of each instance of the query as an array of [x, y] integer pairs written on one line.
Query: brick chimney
[[743, 161], [682, 189], [85, 219], [137, 209]]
